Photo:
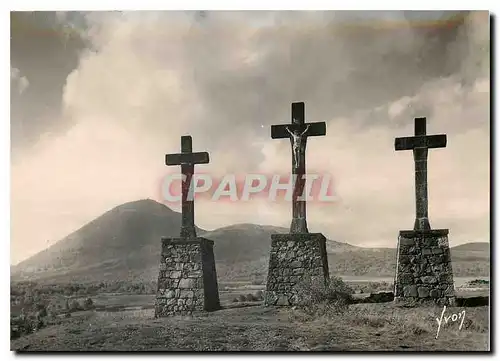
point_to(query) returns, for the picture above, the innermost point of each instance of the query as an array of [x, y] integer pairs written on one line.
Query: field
[[364, 327], [124, 322]]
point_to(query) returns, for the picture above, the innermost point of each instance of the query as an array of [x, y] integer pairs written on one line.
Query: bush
[[88, 304], [259, 295], [316, 298], [251, 298], [26, 322], [242, 298], [477, 283], [41, 310], [73, 306]]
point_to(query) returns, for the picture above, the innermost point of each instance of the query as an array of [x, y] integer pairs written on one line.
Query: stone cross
[[187, 159], [420, 145], [297, 132]]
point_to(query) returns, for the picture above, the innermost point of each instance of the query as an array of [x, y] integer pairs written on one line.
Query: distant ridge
[[473, 246], [123, 244]]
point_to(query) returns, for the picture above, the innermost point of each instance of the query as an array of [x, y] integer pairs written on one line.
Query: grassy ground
[[364, 327]]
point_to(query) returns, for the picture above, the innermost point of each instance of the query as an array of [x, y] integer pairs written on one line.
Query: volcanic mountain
[[124, 244]]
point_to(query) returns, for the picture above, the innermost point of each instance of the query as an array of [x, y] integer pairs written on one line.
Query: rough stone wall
[[292, 257], [187, 280], [423, 271]]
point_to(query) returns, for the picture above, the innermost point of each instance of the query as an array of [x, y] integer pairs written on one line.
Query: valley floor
[[364, 327]]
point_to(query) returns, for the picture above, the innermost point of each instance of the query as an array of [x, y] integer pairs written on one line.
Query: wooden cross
[[420, 145], [298, 131], [187, 159]]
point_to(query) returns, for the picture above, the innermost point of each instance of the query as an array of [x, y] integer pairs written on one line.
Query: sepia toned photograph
[[250, 181]]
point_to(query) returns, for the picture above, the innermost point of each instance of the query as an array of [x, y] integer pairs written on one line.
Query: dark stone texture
[[431, 279], [187, 280], [292, 257]]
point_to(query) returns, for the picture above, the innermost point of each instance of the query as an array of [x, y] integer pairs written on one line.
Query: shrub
[[477, 283], [26, 323], [242, 298], [41, 310], [314, 297], [259, 295], [235, 300], [251, 298], [73, 306], [28, 300], [88, 304]]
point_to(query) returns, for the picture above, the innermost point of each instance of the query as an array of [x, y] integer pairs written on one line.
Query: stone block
[[407, 241], [293, 257], [175, 274], [430, 275], [186, 294], [435, 293], [449, 291], [446, 278], [186, 283], [426, 251], [429, 279], [410, 291], [282, 301], [188, 278], [405, 278], [423, 292]]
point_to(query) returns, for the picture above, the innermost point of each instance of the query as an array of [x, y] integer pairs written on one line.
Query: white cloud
[[154, 77], [20, 81]]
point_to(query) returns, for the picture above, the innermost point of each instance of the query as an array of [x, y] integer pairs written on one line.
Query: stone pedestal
[[423, 271], [292, 257], [187, 281]]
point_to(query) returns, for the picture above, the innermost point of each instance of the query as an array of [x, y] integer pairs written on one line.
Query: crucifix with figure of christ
[[420, 144], [187, 159], [297, 132]]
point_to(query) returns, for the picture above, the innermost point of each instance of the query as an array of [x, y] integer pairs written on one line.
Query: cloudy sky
[[97, 99]]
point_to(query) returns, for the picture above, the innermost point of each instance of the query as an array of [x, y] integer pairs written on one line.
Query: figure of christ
[[297, 143]]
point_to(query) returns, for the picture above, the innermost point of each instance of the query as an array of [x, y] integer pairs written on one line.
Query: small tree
[[315, 297], [88, 304], [259, 295], [74, 306], [41, 310]]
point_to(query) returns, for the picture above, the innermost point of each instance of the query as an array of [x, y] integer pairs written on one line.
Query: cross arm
[[187, 158], [315, 129], [428, 141]]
